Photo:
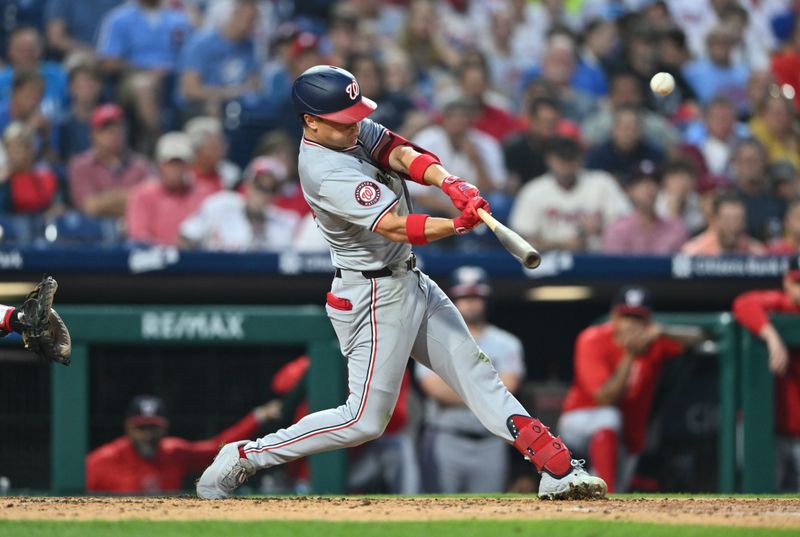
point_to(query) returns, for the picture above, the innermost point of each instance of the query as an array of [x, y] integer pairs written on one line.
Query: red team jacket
[[597, 356], [752, 310], [117, 467]]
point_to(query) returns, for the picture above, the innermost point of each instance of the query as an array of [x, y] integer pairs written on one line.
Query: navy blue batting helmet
[[469, 281], [331, 93]]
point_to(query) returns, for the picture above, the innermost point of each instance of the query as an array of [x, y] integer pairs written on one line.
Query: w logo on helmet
[[352, 90]]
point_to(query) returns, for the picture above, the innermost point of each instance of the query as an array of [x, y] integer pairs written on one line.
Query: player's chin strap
[[535, 441]]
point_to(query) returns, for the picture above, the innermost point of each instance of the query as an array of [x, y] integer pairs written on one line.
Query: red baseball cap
[[105, 114], [303, 42]]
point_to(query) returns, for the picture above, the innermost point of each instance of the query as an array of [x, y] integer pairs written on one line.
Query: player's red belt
[[411, 263]]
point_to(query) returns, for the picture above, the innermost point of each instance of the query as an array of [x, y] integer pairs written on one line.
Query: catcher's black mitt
[[43, 331]]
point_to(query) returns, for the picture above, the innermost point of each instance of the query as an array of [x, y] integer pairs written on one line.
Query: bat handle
[[488, 219]]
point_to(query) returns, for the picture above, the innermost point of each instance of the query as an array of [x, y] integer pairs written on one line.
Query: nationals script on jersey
[[349, 193]]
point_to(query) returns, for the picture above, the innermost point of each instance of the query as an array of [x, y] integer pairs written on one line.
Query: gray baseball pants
[[388, 320]]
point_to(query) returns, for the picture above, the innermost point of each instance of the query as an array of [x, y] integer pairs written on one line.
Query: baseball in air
[[662, 84]]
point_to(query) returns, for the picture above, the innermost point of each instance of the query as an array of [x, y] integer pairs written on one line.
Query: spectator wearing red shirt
[[29, 188], [210, 147], [644, 232], [145, 460], [157, 207], [752, 310], [101, 178], [490, 119], [617, 368]]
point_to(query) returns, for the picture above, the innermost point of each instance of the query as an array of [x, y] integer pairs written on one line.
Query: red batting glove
[[469, 217], [460, 191]]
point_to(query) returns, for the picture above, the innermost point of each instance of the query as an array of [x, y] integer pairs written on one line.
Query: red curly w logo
[[352, 90]]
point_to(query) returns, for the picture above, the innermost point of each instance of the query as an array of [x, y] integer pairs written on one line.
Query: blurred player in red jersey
[[617, 367], [145, 460], [752, 310]]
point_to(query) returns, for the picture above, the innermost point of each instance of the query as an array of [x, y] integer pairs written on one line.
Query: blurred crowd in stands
[[170, 121]]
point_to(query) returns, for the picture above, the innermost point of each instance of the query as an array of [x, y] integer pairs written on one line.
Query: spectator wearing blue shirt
[[140, 42], [557, 68], [25, 52], [73, 26], [599, 40], [85, 85], [24, 106], [717, 74], [219, 65]]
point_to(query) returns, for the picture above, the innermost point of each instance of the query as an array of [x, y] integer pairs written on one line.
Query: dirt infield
[[775, 513]]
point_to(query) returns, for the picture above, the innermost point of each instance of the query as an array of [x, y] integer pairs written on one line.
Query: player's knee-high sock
[[603, 452]]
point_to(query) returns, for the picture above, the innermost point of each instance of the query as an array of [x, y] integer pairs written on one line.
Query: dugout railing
[[232, 325], [757, 404]]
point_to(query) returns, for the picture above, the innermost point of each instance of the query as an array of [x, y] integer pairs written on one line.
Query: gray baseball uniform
[[482, 464], [380, 320]]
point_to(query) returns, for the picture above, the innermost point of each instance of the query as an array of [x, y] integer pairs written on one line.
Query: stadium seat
[[76, 228], [15, 229]]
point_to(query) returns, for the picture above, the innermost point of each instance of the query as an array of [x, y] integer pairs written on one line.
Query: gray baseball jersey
[[379, 321], [349, 194]]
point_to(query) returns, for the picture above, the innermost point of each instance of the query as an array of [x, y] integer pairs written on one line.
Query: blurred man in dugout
[[147, 461], [752, 310], [617, 368], [482, 460]]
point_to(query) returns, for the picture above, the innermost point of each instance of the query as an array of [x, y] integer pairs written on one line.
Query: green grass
[[461, 528]]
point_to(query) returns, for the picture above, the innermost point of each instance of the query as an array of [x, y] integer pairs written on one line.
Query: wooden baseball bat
[[511, 241]]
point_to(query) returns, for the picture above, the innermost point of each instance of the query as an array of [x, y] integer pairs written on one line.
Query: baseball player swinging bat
[[511, 241], [381, 306]]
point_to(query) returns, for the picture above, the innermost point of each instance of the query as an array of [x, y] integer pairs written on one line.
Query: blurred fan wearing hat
[[617, 367], [248, 221], [483, 461], [644, 232], [145, 460], [568, 207], [753, 310], [157, 206], [101, 178]]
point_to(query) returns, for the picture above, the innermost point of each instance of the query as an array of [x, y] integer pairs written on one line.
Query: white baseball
[[662, 84]]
